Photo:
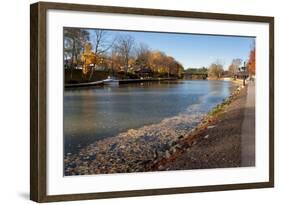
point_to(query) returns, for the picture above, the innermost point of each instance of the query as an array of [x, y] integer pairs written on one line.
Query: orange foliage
[[252, 62], [88, 58]]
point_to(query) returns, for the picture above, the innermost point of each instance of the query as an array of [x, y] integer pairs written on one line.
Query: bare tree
[[101, 44], [124, 48], [215, 70], [234, 66], [115, 59], [143, 56]]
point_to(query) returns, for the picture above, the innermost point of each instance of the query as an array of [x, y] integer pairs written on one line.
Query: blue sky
[[193, 50]]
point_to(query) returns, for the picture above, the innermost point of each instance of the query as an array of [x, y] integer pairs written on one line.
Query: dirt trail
[[248, 129]]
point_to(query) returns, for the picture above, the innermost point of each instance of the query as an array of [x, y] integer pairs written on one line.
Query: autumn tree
[[155, 60], [88, 58], [122, 54], [101, 44], [215, 70], [234, 66], [163, 64], [159, 62], [177, 69], [252, 62], [169, 64], [173, 67]]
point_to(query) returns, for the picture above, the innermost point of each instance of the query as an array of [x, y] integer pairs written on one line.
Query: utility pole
[[244, 73]]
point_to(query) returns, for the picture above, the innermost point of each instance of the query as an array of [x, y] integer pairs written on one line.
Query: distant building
[[143, 72], [242, 73]]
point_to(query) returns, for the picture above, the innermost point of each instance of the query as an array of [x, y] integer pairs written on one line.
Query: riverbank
[[217, 142], [155, 147]]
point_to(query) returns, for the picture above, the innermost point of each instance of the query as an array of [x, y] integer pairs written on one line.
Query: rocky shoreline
[[149, 148]]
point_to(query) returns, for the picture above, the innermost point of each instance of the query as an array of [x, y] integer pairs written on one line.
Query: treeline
[[237, 68], [99, 50]]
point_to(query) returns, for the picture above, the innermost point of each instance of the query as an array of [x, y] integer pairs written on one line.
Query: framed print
[[134, 102]]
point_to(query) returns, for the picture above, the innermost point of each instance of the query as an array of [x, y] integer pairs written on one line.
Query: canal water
[[92, 114]]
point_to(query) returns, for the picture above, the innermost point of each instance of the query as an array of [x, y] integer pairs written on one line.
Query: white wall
[[14, 103]]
